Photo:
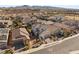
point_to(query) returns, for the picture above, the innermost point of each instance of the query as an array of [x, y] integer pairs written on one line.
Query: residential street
[[65, 47]]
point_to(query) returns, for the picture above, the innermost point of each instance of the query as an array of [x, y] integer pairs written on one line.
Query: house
[[72, 23], [18, 38], [4, 32], [56, 18], [44, 31], [26, 19], [5, 23], [37, 29], [44, 21]]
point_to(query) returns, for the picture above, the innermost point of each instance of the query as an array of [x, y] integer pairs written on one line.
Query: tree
[[17, 22]]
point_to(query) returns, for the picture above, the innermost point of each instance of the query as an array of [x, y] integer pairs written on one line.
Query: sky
[[58, 3]]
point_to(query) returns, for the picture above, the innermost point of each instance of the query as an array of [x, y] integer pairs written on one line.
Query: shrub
[[59, 33], [9, 51], [17, 22]]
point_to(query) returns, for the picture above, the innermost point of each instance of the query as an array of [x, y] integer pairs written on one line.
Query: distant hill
[[27, 8], [45, 7]]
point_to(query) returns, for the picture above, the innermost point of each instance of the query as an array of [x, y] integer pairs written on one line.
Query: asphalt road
[[65, 47]]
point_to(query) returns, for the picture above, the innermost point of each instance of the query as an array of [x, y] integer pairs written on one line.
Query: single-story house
[[4, 32], [18, 37]]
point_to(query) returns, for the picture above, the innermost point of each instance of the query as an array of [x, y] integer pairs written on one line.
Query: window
[[3, 37], [5, 23]]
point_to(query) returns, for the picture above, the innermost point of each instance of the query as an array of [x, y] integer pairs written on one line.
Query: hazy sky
[[61, 3]]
